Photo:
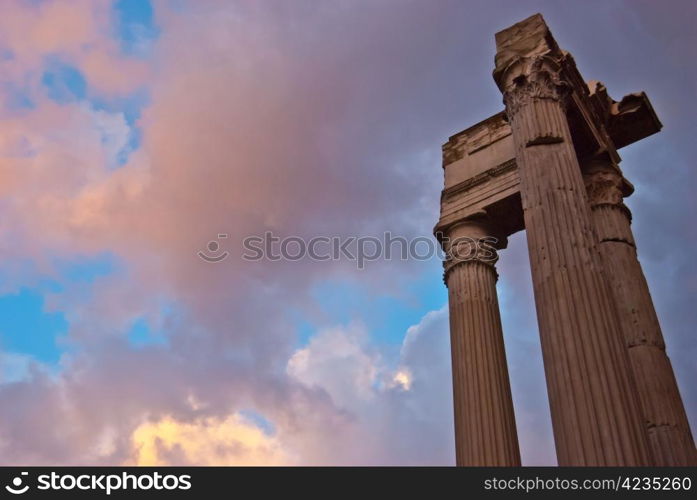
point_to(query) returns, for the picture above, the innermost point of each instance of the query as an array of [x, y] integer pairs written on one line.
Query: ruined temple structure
[[549, 164]]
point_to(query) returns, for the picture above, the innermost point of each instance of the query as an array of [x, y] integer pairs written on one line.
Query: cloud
[[399, 410], [78, 31], [338, 361], [229, 441], [15, 367], [260, 117]]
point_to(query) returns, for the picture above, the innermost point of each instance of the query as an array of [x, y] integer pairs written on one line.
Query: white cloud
[[400, 410], [114, 131], [339, 361], [14, 367], [232, 440]]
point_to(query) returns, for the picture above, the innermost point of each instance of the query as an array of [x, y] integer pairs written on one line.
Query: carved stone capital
[[605, 184], [604, 188], [530, 79], [528, 64], [474, 240]]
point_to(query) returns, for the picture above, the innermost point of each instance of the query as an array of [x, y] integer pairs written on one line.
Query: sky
[[134, 132]]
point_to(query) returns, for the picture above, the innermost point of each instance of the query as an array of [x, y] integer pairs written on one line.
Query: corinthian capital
[[528, 64], [531, 79], [605, 184], [604, 188]]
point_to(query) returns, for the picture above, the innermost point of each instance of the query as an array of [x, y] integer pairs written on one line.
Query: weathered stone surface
[[522, 44], [485, 431], [479, 162], [669, 433], [605, 361], [595, 410], [627, 121]]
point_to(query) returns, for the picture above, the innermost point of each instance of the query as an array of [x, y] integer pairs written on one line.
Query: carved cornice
[[478, 179], [452, 153], [475, 138], [627, 121]]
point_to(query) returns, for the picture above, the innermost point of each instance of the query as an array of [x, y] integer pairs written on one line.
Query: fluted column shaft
[[594, 407], [485, 430], [664, 415]]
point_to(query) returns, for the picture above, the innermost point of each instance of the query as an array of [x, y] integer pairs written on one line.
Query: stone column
[[669, 433], [594, 407], [485, 431]]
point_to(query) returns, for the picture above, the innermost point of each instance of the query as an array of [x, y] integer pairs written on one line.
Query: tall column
[[594, 407], [485, 431], [669, 433]]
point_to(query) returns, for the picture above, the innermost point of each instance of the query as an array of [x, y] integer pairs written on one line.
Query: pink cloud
[[306, 119], [239, 138]]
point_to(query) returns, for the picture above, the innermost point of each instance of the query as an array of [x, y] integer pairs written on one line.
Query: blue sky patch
[[259, 420], [82, 269], [141, 335], [386, 316], [135, 26], [63, 82], [26, 328]]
